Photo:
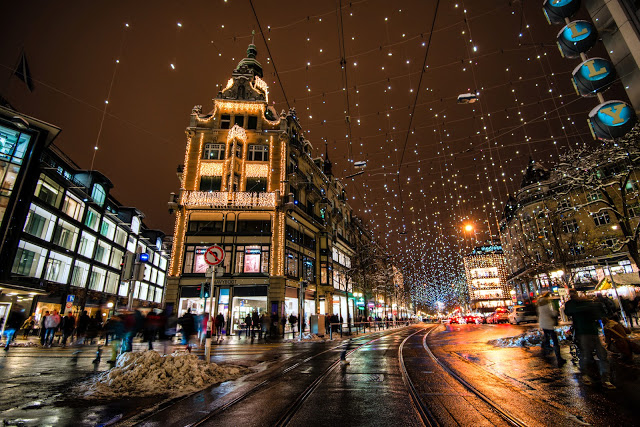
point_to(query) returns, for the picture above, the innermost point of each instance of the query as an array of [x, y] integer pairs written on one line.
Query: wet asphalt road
[[370, 390]]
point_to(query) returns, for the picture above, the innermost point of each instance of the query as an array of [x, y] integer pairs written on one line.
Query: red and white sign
[[214, 255], [69, 305]]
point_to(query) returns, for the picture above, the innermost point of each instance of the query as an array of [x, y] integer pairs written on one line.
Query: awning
[[620, 279], [7, 289]]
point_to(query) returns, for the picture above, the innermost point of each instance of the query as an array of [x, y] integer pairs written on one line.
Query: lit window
[[98, 194], [259, 153], [213, 152]]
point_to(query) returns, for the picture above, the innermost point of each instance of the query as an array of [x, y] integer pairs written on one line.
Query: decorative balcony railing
[[218, 199]]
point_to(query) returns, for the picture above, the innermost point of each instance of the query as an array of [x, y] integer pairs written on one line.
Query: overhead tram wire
[[106, 102], [415, 102], [343, 65], [273, 62]]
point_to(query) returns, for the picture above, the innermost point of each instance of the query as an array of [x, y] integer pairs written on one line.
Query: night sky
[[459, 162]]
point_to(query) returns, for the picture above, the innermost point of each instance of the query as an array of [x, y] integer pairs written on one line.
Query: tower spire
[[327, 167]]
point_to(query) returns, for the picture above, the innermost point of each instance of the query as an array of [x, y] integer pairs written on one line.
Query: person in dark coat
[[293, 320], [68, 325], [188, 324], [14, 322], [151, 327], [219, 324], [83, 325], [255, 323], [43, 329], [585, 315], [247, 324]]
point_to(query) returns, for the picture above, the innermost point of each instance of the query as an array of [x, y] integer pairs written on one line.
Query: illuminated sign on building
[[557, 10], [575, 38], [592, 76], [611, 119]]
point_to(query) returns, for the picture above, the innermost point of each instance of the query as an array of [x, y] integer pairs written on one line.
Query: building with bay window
[[65, 236], [249, 184]]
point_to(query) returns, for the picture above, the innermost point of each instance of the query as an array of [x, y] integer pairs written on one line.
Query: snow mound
[[307, 337], [21, 344], [530, 338], [150, 373]]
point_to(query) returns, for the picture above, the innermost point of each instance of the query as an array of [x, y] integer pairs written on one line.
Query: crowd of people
[[588, 316]]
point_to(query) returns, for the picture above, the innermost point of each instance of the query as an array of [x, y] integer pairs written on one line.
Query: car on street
[[501, 315], [522, 314]]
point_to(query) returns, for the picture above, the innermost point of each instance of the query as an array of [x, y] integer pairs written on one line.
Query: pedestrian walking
[[247, 324], [115, 329], [585, 315], [292, 321], [255, 323], [187, 322], [51, 324], [43, 328], [548, 320], [14, 321], [264, 322], [68, 326], [151, 325], [219, 324], [82, 326], [27, 326]]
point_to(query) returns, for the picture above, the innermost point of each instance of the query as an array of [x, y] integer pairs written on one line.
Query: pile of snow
[[150, 373], [307, 337], [21, 344], [530, 338]]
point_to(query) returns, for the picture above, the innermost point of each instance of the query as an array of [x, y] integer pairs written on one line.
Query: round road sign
[[214, 255]]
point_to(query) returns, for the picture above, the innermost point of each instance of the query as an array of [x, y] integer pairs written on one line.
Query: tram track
[[271, 379], [504, 414], [286, 418]]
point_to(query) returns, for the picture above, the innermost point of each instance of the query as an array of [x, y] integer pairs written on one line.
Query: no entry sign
[[214, 255]]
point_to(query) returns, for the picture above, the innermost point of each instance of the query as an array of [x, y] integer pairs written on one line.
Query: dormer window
[[225, 121]]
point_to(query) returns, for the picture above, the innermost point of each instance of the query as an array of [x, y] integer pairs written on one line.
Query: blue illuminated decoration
[[575, 38], [611, 120], [144, 257], [592, 76], [487, 249], [557, 10]]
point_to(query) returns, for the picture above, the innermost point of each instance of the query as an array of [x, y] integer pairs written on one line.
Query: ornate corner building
[[250, 185]]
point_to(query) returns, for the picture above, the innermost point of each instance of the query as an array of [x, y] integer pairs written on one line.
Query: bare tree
[[609, 177]]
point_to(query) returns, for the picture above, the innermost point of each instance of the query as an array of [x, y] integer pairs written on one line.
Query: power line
[[415, 102], [273, 62]]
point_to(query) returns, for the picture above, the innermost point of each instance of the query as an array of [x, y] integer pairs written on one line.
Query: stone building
[[250, 185]]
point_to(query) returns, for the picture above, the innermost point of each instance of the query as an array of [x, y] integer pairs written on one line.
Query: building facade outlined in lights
[[486, 274], [250, 185]]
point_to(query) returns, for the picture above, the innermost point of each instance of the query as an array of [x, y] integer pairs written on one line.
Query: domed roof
[[250, 61]]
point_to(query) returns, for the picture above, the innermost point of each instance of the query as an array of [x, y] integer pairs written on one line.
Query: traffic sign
[[69, 305], [71, 298], [214, 255]]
